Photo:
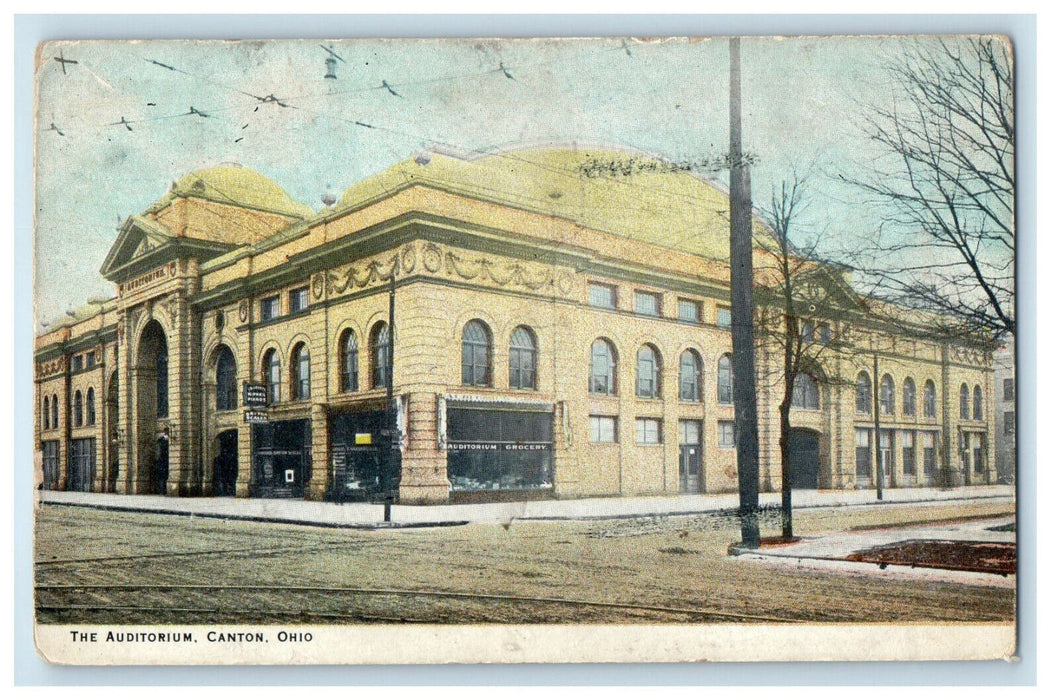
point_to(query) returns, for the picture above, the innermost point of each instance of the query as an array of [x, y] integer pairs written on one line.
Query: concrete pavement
[[373, 515], [829, 552]]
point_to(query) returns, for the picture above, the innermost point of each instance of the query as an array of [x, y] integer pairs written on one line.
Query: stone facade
[[442, 253]]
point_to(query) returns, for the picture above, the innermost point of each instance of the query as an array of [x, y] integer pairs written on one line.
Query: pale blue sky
[[670, 98]]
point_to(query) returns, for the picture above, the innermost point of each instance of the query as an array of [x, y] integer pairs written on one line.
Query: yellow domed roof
[[623, 192], [238, 186]]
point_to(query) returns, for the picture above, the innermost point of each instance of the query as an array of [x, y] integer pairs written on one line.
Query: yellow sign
[[363, 438]]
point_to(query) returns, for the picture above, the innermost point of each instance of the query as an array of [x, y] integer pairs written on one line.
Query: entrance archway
[[804, 458], [152, 404], [226, 463]]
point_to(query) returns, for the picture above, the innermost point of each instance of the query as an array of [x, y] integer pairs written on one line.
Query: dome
[[238, 186], [623, 192]]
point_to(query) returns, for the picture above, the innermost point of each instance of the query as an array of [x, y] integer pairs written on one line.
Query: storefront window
[[499, 450]]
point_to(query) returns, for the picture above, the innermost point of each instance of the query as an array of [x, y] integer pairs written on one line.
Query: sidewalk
[[829, 552], [372, 515]]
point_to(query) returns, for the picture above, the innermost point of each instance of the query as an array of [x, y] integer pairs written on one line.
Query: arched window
[[349, 361], [603, 378], [46, 417], [690, 376], [863, 393], [381, 372], [805, 392], [522, 359], [724, 389], [910, 400], [300, 373], [271, 372], [90, 407], [227, 393], [78, 410], [929, 399], [978, 404], [648, 373], [887, 396], [964, 402], [477, 354], [162, 368], [54, 411]]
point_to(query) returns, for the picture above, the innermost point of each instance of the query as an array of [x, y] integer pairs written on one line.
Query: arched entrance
[[152, 405], [804, 458], [226, 463], [113, 448]]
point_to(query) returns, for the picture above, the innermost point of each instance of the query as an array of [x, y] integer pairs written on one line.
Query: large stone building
[[533, 323]]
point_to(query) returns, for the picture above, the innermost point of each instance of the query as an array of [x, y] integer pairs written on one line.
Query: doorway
[[804, 459], [226, 463], [691, 480]]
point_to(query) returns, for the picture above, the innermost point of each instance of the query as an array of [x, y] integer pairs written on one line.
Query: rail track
[[70, 597]]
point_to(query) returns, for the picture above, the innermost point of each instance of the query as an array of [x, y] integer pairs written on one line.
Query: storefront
[[499, 449], [365, 457], [282, 459]]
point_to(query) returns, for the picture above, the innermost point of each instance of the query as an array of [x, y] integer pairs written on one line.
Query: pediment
[[138, 238], [143, 244], [824, 288]]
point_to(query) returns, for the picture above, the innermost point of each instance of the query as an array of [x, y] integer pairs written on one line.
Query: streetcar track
[[398, 592]]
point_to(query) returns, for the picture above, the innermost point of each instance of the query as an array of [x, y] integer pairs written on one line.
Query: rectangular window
[[78, 363], [690, 311], [603, 428], [723, 316], [929, 452], [90, 359], [603, 296], [907, 439], [725, 433], [269, 308], [1008, 422], [299, 300], [648, 431], [648, 304], [1008, 389], [863, 454], [824, 334]]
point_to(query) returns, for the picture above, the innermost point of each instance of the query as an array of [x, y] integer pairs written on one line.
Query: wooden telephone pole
[[744, 365]]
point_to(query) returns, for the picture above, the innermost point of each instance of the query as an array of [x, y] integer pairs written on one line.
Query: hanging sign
[[255, 416], [254, 395]]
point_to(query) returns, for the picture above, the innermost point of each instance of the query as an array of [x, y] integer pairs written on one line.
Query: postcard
[[525, 350]]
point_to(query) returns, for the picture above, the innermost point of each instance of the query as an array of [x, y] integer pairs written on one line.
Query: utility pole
[[744, 366]]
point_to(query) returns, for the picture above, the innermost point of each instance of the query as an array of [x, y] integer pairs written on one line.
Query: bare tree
[[944, 180], [796, 289]]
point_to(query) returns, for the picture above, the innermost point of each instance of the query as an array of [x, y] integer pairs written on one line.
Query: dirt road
[[106, 567]]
